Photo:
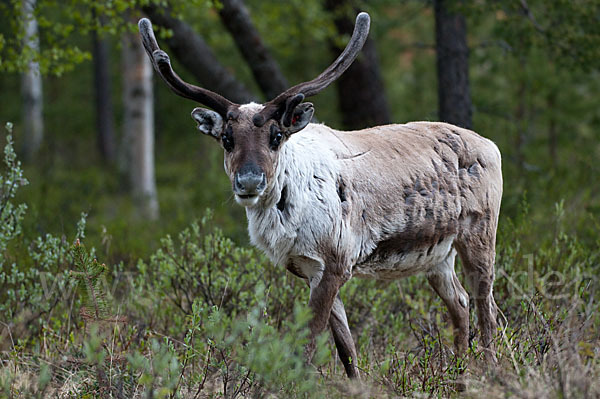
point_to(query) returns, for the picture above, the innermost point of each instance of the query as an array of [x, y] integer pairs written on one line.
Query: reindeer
[[385, 202]]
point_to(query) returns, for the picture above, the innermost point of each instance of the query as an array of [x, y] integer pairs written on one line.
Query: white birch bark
[[31, 85], [138, 125]]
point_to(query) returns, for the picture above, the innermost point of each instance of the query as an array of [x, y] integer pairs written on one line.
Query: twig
[[531, 17], [9, 334], [205, 376]]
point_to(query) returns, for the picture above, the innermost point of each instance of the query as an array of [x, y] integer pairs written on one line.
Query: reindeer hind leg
[[476, 248], [444, 281], [343, 338]]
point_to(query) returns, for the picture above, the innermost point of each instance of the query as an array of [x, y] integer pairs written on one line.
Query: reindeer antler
[[162, 65], [283, 105]]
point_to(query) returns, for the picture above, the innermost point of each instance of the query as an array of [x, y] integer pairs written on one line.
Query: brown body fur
[[405, 189]]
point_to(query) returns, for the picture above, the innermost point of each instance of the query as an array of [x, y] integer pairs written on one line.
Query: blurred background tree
[[522, 73], [102, 90], [31, 85], [138, 125]]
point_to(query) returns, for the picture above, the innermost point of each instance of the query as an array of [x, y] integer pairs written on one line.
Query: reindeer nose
[[249, 183], [249, 180]]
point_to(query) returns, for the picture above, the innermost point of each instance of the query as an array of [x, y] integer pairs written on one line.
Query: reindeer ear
[[302, 116], [209, 122]]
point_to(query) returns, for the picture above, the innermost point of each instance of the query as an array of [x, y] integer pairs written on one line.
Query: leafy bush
[[33, 273]]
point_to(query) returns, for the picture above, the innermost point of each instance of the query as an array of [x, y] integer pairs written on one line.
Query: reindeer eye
[[227, 139], [276, 137]]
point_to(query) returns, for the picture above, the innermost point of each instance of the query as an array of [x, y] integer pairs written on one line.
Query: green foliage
[[32, 279], [204, 265], [568, 31], [89, 275], [61, 25], [11, 215], [57, 21]]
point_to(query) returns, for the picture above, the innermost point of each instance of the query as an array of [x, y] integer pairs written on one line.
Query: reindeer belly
[[394, 258]]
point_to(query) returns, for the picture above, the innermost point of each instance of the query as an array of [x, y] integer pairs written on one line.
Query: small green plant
[[89, 275], [11, 180]]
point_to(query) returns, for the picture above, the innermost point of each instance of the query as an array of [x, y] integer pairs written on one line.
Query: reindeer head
[[252, 134]]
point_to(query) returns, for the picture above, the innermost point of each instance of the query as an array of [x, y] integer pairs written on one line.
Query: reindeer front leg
[[324, 288], [343, 338]]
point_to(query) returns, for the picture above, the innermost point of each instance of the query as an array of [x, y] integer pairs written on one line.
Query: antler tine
[[277, 106], [162, 65]]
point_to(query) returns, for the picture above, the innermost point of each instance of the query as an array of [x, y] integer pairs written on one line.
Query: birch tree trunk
[[138, 125], [31, 85]]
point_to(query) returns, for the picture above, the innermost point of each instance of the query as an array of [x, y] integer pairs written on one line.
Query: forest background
[[179, 305]]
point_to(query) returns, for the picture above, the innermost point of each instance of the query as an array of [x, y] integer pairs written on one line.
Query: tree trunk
[[236, 18], [138, 125], [102, 90], [360, 89], [31, 86], [454, 99], [196, 56], [552, 129]]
